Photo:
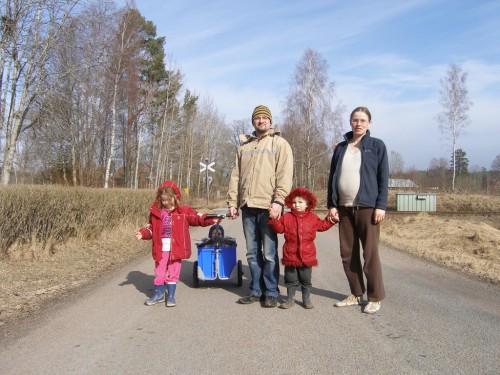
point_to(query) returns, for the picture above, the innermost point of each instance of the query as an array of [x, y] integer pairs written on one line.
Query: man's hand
[[233, 213], [275, 210]]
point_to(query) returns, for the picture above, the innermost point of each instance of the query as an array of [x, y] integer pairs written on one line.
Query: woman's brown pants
[[356, 226]]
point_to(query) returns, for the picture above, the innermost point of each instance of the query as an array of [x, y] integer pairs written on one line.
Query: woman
[[357, 200]]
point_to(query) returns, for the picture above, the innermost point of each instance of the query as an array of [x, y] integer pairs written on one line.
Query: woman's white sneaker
[[349, 301], [372, 307]]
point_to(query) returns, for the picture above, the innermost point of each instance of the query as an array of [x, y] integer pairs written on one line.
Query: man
[[260, 181]]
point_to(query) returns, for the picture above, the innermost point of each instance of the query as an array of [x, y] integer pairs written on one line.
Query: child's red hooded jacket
[[182, 218], [300, 230]]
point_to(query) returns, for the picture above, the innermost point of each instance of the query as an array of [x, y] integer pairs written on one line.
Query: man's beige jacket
[[263, 171]]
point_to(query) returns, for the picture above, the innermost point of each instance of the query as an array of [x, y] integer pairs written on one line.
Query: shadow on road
[[142, 281], [230, 285]]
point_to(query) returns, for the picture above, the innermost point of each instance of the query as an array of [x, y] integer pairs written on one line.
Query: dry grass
[[468, 241], [469, 246], [48, 260], [27, 284]]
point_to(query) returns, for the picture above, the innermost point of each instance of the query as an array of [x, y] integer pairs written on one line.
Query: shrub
[[35, 218]]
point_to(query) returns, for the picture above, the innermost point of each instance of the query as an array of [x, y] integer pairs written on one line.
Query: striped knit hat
[[262, 110]]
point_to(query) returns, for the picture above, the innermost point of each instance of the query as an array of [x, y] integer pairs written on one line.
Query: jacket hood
[[173, 185], [165, 184], [301, 192], [244, 138]]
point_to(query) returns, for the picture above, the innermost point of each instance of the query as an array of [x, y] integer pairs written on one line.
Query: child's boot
[[306, 298], [171, 295], [158, 297], [290, 300]]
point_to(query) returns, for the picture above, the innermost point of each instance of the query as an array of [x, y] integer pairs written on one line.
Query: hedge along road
[[433, 321]]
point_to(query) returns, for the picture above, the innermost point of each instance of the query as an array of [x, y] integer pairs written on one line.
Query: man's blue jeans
[[262, 252]]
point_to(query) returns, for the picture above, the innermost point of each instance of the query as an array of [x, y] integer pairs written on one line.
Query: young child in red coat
[[299, 252], [168, 228]]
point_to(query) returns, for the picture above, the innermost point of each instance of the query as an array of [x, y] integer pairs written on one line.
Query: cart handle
[[218, 216]]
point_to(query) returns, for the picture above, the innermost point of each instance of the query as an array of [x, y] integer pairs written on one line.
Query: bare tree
[[438, 172], [396, 164], [29, 32], [454, 118], [74, 114], [495, 164], [129, 42], [311, 116], [165, 129], [212, 134], [239, 127]]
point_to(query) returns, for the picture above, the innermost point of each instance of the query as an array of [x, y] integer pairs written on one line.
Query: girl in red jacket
[[299, 252], [168, 229]]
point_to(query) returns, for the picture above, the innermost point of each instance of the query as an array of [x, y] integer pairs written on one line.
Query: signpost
[[206, 168]]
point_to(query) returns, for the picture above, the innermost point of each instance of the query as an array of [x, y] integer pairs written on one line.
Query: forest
[[89, 97]]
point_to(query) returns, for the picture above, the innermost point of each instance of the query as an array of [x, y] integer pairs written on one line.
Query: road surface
[[433, 321]]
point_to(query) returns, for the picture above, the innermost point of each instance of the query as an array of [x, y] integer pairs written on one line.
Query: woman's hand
[[378, 215], [333, 215]]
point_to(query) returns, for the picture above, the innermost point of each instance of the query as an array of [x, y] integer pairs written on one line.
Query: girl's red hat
[[304, 193]]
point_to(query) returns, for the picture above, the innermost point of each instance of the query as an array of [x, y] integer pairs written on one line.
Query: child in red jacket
[[168, 229], [299, 252]]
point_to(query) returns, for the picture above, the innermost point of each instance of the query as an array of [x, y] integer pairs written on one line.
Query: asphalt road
[[433, 321]]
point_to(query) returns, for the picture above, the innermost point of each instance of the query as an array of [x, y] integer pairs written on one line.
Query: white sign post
[[206, 168]]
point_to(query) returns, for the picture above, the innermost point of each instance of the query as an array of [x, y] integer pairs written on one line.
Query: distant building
[[400, 183]]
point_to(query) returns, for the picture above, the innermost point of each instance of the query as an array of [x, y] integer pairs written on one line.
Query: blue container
[[216, 260]]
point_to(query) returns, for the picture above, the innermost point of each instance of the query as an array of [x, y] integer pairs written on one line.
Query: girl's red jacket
[[300, 230], [182, 218]]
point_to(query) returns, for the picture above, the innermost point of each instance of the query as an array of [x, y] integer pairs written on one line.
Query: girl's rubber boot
[[158, 297], [290, 300], [306, 298], [171, 295]]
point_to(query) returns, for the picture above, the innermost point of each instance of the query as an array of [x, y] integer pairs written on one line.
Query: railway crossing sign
[[207, 166]]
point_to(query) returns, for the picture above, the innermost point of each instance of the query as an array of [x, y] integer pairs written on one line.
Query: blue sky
[[386, 55]]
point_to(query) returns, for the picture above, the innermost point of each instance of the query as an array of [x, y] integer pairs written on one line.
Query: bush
[[35, 218]]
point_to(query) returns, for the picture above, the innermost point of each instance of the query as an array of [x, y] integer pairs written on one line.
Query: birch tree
[[30, 29], [164, 130], [312, 116], [129, 39], [70, 137], [454, 118]]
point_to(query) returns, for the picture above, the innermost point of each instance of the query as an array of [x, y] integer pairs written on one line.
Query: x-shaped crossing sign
[[209, 167]]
